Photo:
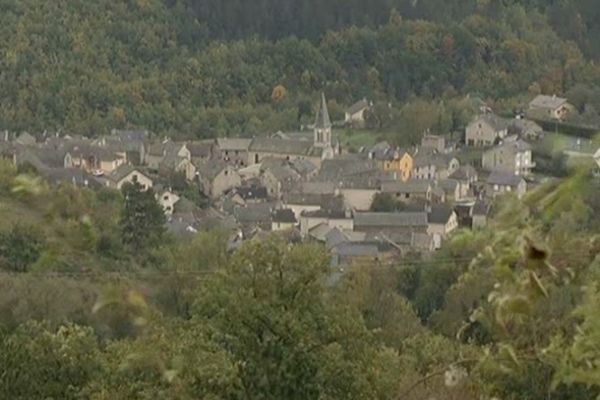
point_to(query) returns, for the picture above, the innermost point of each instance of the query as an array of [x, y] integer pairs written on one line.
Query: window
[[256, 159], [226, 152], [226, 172], [134, 178], [166, 198], [406, 195]]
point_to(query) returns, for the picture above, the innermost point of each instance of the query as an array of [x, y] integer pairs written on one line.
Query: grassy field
[[355, 139]]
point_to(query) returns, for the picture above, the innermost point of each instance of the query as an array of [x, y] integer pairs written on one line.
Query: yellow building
[[402, 164]]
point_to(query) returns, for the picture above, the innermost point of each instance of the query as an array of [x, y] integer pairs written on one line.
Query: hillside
[[87, 67], [508, 311]]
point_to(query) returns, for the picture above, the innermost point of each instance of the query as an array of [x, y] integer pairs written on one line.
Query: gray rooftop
[[504, 179], [281, 146], [232, 144], [390, 220], [413, 186], [547, 102], [358, 106]]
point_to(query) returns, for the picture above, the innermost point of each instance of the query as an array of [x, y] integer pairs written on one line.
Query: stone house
[[217, 177], [233, 151], [526, 129], [550, 107], [202, 151], [355, 114], [466, 175], [128, 174], [442, 221], [434, 165], [433, 143], [512, 156], [173, 163], [279, 180], [452, 189], [332, 218], [169, 150], [501, 182], [485, 130], [300, 202], [402, 163], [408, 192], [43, 157]]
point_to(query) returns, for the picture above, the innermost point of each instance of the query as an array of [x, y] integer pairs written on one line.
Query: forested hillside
[[86, 67]]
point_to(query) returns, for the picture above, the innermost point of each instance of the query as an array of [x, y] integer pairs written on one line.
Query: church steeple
[[322, 125]]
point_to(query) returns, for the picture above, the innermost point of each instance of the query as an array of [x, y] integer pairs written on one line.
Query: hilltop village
[[379, 203]]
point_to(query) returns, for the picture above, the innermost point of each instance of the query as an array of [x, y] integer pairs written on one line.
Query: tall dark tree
[[142, 219]]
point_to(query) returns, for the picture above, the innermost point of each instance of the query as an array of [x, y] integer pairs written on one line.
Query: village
[[380, 203]]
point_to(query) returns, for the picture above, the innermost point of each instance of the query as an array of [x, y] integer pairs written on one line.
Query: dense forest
[[209, 68], [98, 302]]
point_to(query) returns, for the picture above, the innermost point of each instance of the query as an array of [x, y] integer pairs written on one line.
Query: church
[[289, 147]]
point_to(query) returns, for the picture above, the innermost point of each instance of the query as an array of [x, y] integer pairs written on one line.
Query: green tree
[[142, 219], [20, 248]]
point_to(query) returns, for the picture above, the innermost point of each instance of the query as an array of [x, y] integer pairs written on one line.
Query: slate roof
[[320, 231], [317, 188], [122, 171], [201, 149], [253, 213], [480, 208], [323, 121], [358, 106], [282, 146], [497, 123], [284, 216], [352, 249], [390, 220], [448, 185], [425, 159], [232, 144], [514, 144], [464, 173], [252, 192], [43, 157], [165, 148], [284, 174], [439, 215], [525, 126], [413, 186], [338, 168], [171, 161], [303, 166], [504, 179], [547, 102], [210, 169], [326, 213], [383, 151]]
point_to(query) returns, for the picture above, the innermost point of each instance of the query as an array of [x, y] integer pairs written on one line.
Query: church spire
[[323, 121], [323, 125]]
